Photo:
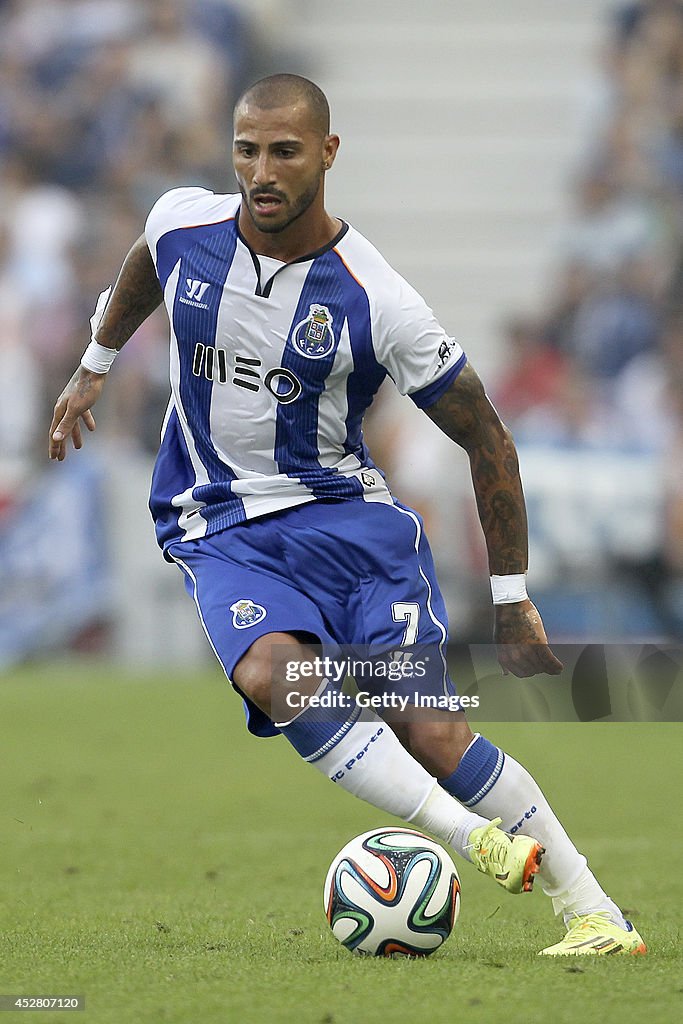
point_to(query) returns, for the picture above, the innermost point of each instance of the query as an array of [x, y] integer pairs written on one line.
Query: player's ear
[[330, 147]]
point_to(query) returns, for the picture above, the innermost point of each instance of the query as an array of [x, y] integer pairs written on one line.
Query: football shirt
[[273, 366]]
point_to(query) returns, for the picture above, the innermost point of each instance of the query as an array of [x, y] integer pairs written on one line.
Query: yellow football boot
[[597, 935], [512, 860]]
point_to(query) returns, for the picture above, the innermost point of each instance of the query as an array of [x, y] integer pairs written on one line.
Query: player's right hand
[[521, 641], [74, 404]]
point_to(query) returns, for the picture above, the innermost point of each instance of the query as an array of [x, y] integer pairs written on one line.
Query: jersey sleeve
[[413, 347], [172, 210]]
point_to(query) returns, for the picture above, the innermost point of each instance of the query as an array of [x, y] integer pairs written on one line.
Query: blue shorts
[[350, 573]]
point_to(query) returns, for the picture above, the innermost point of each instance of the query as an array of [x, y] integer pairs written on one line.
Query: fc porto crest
[[313, 336], [245, 613]]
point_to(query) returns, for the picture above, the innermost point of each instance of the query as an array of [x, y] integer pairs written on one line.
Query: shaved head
[[288, 91]]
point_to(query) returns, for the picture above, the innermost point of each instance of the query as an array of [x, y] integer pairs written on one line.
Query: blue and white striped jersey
[[273, 366]]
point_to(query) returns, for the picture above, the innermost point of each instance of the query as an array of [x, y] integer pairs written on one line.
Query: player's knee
[[264, 664], [438, 746]]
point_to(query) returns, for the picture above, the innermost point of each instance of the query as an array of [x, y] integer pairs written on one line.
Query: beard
[[292, 211]]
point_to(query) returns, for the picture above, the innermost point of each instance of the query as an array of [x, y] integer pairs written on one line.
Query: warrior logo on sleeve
[[313, 336]]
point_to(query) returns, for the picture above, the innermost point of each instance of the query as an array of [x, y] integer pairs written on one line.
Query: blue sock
[[315, 731], [477, 773]]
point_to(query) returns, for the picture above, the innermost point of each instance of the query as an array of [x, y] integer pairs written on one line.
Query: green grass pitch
[[167, 866]]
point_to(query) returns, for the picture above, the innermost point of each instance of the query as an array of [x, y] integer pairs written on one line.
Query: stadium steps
[[460, 132]]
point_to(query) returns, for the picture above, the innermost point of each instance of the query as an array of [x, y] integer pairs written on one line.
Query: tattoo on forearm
[[465, 414], [136, 295]]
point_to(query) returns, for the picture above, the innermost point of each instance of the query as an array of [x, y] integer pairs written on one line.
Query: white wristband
[[509, 589], [98, 358]]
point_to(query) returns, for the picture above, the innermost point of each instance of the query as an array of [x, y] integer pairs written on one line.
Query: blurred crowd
[[598, 369], [601, 365], [104, 105]]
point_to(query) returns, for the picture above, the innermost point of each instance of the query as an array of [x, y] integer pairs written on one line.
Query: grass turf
[[162, 863]]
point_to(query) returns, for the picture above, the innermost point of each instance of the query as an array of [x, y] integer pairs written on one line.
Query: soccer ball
[[391, 892]]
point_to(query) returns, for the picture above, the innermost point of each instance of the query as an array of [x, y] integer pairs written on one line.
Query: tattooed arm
[[465, 414], [136, 294]]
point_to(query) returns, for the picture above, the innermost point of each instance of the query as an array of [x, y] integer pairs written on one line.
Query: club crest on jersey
[[313, 336], [245, 613]]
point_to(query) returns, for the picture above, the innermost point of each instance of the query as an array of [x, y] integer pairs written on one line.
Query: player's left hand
[[521, 641]]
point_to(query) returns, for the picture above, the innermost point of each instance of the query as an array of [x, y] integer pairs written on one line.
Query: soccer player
[[284, 322]]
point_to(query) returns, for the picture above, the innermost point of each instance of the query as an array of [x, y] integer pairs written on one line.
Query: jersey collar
[[265, 289]]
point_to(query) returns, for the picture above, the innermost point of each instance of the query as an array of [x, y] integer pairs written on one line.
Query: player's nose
[[263, 171]]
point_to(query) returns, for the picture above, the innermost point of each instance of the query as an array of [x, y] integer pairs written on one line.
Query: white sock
[[369, 762], [564, 874], [585, 897], [436, 815]]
